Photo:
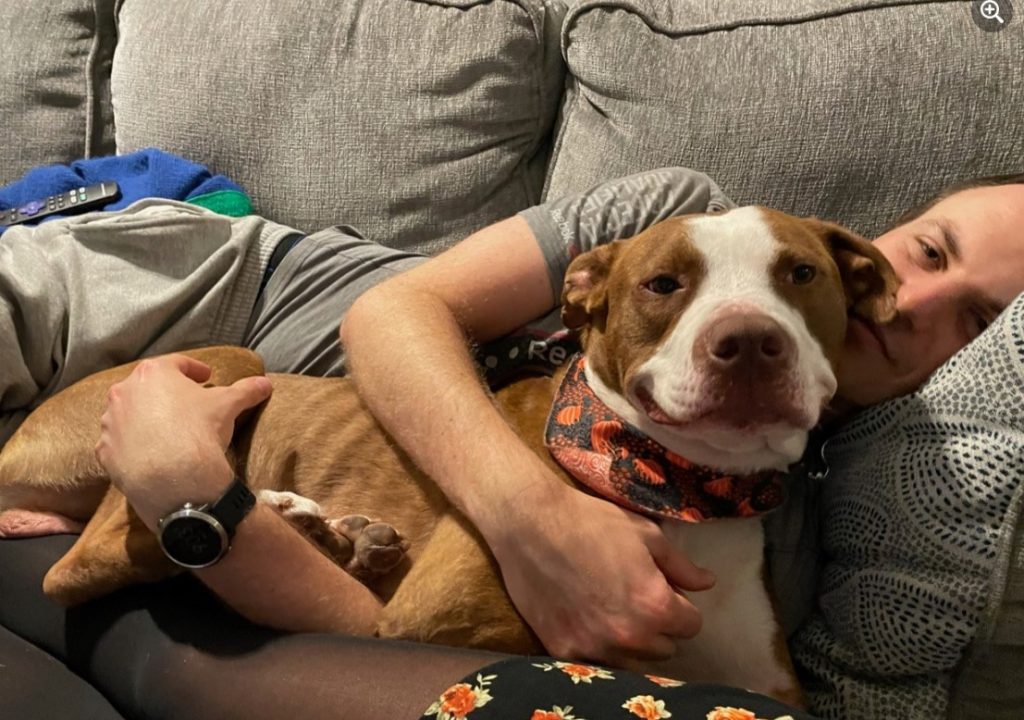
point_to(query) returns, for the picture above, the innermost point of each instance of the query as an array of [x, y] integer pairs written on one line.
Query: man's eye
[[662, 285], [931, 253]]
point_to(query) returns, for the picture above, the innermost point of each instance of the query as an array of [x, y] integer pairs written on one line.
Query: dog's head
[[719, 335]]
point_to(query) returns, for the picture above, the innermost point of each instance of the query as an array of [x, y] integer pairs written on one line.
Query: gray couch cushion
[[54, 91], [848, 109], [416, 121]]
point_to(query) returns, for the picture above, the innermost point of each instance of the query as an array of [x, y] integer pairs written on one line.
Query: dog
[[710, 348]]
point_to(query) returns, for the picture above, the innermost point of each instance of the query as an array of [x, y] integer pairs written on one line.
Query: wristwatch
[[197, 537]]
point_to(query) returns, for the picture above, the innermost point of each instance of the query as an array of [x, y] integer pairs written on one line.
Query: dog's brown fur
[[448, 590], [343, 460]]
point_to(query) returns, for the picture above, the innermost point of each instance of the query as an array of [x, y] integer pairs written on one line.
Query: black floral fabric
[[542, 688]]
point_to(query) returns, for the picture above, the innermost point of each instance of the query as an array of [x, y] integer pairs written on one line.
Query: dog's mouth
[[654, 411], [729, 415]]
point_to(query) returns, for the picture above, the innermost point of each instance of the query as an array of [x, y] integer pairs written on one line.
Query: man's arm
[[162, 441], [592, 579]]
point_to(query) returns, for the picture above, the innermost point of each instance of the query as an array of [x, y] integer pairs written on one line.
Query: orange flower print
[[578, 673], [555, 713], [461, 699], [730, 713], [647, 708], [664, 682]]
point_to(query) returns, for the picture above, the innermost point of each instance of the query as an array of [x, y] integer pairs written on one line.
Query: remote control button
[[31, 208]]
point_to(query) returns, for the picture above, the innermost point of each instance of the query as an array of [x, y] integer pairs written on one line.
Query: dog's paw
[[289, 504], [36, 523], [377, 547]]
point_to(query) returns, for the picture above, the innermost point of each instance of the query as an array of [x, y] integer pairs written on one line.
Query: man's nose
[[919, 306]]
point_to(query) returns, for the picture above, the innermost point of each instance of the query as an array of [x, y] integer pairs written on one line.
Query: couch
[[419, 121]]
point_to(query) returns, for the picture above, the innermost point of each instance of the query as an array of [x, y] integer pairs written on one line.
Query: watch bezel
[[199, 514]]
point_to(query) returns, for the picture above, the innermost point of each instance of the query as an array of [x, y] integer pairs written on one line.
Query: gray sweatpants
[[82, 294]]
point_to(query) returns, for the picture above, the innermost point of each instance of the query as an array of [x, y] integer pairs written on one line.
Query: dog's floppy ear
[[585, 290], [869, 281]]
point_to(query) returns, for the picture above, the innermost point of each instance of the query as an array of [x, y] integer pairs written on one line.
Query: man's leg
[[171, 650], [86, 293]]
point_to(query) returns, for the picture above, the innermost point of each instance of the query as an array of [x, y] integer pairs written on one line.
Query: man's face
[[960, 264]]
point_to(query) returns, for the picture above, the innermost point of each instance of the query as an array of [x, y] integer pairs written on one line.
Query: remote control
[[75, 200]]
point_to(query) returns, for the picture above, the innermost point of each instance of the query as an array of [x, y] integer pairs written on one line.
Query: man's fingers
[[248, 392], [189, 367], [678, 569], [685, 618]]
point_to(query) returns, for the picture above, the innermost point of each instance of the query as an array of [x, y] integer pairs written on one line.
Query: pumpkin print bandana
[[622, 464]]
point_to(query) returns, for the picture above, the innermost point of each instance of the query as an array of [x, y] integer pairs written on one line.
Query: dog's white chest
[[738, 640]]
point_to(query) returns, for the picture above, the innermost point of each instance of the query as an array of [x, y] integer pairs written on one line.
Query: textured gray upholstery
[[54, 82], [416, 122], [851, 110]]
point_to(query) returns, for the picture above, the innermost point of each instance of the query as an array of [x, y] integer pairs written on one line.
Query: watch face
[[193, 539]]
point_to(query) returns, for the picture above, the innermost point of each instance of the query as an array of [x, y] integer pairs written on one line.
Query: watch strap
[[233, 505]]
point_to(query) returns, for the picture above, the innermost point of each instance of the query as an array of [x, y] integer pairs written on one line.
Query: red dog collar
[[622, 464]]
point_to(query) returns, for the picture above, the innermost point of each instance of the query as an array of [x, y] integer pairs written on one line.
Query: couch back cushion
[[852, 110], [416, 121], [54, 90]]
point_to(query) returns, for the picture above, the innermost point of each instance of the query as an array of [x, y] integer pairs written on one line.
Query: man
[[605, 586]]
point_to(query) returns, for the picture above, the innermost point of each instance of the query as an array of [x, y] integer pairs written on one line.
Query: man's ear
[[585, 290], [869, 281]]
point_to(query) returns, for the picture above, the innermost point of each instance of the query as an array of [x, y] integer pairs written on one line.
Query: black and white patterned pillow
[[918, 520]]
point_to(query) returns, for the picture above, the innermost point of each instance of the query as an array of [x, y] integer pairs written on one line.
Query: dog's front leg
[[366, 549]]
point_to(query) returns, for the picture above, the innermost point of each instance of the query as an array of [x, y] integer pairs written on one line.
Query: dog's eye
[[663, 285], [803, 274]]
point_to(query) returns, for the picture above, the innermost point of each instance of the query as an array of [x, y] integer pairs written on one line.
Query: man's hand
[[163, 435], [596, 581]]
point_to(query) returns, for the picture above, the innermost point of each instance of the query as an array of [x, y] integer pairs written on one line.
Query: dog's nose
[[742, 340]]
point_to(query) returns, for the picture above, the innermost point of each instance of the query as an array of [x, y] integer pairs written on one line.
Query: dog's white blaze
[[739, 250]]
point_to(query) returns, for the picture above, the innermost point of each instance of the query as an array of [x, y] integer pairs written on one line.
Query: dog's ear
[[585, 290], [869, 281]]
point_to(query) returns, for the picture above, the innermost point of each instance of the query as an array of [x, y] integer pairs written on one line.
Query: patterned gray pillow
[[919, 516]]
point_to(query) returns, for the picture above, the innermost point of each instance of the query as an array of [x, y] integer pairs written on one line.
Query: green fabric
[[226, 202]]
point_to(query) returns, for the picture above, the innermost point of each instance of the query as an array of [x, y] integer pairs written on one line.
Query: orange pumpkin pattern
[[621, 463]]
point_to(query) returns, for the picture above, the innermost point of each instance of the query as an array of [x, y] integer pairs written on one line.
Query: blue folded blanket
[[142, 174]]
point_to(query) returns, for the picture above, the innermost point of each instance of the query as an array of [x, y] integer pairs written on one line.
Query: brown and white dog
[[715, 336]]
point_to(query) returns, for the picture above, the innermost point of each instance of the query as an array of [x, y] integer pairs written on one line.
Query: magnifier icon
[[990, 11]]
